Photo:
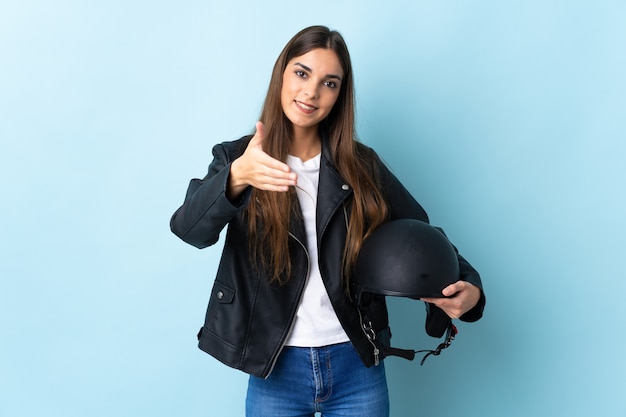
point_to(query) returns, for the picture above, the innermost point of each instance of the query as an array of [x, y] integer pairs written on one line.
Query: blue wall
[[505, 119]]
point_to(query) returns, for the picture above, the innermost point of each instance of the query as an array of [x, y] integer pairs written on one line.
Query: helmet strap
[[451, 332], [384, 351]]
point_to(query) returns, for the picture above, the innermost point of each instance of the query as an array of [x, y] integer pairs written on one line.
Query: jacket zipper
[[308, 269], [275, 359]]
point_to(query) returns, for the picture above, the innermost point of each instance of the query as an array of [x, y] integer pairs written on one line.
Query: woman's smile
[[306, 108]]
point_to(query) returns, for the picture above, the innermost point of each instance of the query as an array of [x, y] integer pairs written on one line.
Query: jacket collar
[[333, 190]]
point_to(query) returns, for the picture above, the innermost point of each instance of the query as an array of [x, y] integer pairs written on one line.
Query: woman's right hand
[[257, 169]]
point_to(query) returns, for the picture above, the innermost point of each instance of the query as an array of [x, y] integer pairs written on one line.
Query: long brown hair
[[269, 213]]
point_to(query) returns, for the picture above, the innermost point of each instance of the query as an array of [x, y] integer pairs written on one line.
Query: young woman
[[299, 197]]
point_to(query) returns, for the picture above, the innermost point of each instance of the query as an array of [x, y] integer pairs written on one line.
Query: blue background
[[506, 120]]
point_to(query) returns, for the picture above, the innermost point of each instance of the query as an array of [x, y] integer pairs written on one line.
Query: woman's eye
[[330, 84], [300, 74]]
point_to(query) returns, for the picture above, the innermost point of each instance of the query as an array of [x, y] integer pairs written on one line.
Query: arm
[[206, 209], [212, 202]]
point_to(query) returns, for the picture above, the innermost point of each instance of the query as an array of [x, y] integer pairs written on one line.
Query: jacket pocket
[[219, 320], [222, 293]]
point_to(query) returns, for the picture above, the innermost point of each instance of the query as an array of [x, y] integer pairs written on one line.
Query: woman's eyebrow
[[304, 67]]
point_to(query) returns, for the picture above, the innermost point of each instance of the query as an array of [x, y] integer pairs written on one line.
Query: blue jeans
[[331, 380]]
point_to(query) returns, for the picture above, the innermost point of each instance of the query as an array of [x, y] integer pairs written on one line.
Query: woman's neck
[[306, 143]]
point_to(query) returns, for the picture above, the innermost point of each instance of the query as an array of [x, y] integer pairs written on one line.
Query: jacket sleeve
[[402, 205], [206, 209]]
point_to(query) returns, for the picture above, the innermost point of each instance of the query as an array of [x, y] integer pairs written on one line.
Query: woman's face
[[311, 85]]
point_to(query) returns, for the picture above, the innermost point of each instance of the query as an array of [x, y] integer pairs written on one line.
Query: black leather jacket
[[248, 319]]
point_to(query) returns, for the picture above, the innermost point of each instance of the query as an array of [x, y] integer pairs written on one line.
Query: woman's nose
[[311, 89]]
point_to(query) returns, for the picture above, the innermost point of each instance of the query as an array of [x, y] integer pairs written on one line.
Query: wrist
[[234, 185]]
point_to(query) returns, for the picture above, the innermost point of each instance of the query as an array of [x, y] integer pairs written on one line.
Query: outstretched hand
[[257, 169], [462, 297]]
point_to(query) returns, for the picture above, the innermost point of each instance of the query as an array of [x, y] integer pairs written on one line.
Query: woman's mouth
[[306, 108]]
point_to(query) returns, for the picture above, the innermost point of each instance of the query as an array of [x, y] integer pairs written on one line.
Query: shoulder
[[363, 148], [230, 150], [365, 152], [226, 152], [233, 147], [370, 159]]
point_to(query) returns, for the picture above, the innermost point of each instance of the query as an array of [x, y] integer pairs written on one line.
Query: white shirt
[[316, 323]]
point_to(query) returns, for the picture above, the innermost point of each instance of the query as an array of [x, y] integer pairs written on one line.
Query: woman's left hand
[[463, 296]]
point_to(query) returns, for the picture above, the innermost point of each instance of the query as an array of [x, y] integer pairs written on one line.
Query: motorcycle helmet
[[406, 258]]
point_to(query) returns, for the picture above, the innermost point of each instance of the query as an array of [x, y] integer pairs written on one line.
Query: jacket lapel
[[333, 190]]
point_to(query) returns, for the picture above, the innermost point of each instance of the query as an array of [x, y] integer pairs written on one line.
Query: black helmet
[[406, 258]]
